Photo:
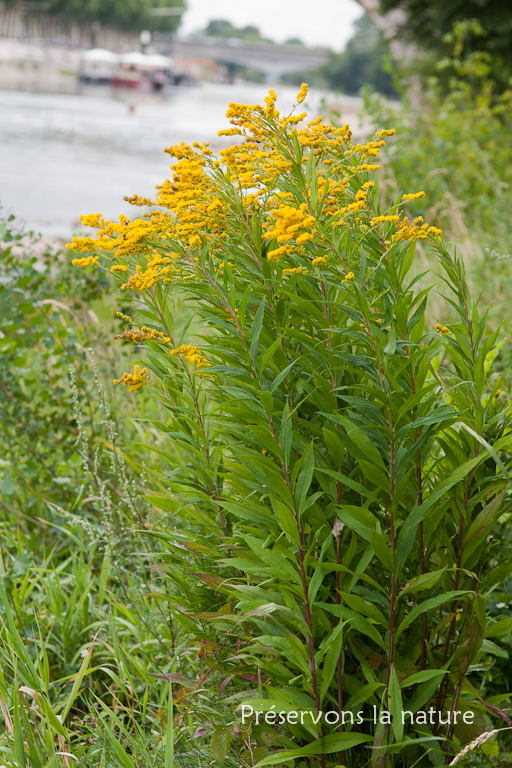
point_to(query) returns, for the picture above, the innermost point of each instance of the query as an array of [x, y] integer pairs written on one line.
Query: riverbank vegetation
[[299, 500], [257, 452]]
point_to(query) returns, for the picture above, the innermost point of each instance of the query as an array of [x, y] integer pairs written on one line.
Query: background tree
[[431, 26], [362, 62], [124, 14], [223, 28]]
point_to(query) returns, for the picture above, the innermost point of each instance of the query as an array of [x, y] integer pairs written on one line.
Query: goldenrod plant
[[338, 456]]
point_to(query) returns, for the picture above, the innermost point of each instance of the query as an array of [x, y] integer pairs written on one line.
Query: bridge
[[272, 60]]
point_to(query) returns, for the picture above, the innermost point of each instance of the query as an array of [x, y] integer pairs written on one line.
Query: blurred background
[[91, 93]]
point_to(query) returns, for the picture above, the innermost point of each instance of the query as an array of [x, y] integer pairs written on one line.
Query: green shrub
[[337, 455]]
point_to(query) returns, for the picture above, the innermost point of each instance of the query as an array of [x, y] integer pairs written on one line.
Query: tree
[[431, 25], [125, 14], [223, 28], [361, 62]]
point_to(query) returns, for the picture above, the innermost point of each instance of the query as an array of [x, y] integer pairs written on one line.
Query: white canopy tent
[[97, 65], [156, 61], [100, 54], [135, 59]]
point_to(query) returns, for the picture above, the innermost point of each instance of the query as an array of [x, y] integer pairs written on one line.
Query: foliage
[[456, 145], [363, 62], [87, 643], [125, 14], [223, 28], [488, 23], [250, 34], [337, 459]]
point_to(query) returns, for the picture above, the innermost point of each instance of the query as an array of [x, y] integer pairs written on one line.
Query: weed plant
[[83, 609], [338, 455]]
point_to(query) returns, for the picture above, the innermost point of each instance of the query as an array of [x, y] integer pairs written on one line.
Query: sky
[[316, 22]]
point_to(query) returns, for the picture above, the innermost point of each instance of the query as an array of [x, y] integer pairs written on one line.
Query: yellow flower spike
[[138, 335], [127, 318], [119, 268], [88, 261], [320, 260], [92, 220], [438, 326], [444, 330], [135, 380], [191, 354], [302, 93], [385, 132], [498, 393], [413, 196], [384, 220], [349, 277]]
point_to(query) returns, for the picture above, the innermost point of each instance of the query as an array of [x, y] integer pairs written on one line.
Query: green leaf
[[358, 519], [423, 581], [428, 605], [281, 376], [364, 608], [335, 742], [169, 736], [305, 477], [421, 677], [220, 743], [409, 529], [395, 704], [500, 628], [255, 332], [390, 347], [362, 441], [334, 643], [268, 354], [486, 445], [285, 435]]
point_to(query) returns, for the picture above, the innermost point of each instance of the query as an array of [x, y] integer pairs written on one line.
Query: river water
[[66, 154]]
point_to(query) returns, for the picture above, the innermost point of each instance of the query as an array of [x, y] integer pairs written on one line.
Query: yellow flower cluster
[[302, 93], [135, 380], [442, 329], [417, 230], [191, 354], [413, 196], [138, 335], [87, 261], [290, 221], [349, 277], [92, 220], [320, 260], [142, 279], [384, 220], [294, 182], [220, 266], [295, 271]]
